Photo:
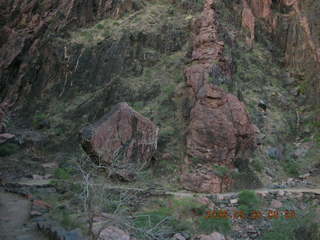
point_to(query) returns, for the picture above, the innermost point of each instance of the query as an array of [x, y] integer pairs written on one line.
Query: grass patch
[[291, 167], [300, 227], [62, 173], [249, 201], [38, 120], [257, 165], [8, 149], [188, 206], [210, 225], [65, 218]]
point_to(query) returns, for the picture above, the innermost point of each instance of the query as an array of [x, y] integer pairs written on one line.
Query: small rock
[[212, 236], [262, 194], [281, 193], [39, 177], [220, 197], [178, 236], [290, 180], [299, 195], [41, 203], [234, 201], [50, 165], [35, 214], [113, 233], [304, 176], [5, 137], [211, 206], [203, 200], [276, 204]]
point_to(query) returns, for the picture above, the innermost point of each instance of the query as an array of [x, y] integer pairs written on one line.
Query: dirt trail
[[192, 194], [14, 217]]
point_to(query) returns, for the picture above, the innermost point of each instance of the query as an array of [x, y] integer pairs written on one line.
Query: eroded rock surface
[[292, 26], [26, 27], [122, 139], [220, 129]]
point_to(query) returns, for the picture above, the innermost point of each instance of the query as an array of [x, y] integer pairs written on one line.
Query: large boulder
[[123, 139]]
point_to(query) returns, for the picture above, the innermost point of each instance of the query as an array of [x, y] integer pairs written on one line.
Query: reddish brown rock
[[299, 23], [205, 180], [25, 26], [123, 139], [4, 137], [261, 8], [220, 130], [248, 22]]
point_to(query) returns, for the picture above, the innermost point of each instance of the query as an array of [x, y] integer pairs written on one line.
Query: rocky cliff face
[[206, 75], [220, 129], [26, 29], [292, 25]]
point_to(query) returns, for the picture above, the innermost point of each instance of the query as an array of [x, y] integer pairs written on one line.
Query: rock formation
[[220, 129], [27, 26], [292, 25], [123, 139]]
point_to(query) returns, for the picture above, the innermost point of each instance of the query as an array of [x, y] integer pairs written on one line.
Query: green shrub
[[62, 173], [221, 171], [160, 222], [64, 217], [149, 219], [257, 165], [291, 168], [189, 206], [38, 119], [8, 149], [249, 201], [88, 36], [138, 106], [300, 227], [209, 225], [99, 26]]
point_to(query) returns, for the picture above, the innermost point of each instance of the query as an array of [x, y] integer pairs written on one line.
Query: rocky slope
[[56, 64], [232, 86]]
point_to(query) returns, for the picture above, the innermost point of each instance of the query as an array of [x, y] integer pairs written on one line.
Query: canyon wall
[[293, 25], [71, 61]]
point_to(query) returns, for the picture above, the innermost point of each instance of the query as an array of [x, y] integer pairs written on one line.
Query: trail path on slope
[[14, 216], [193, 194], [155, 191], [14, 209]]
